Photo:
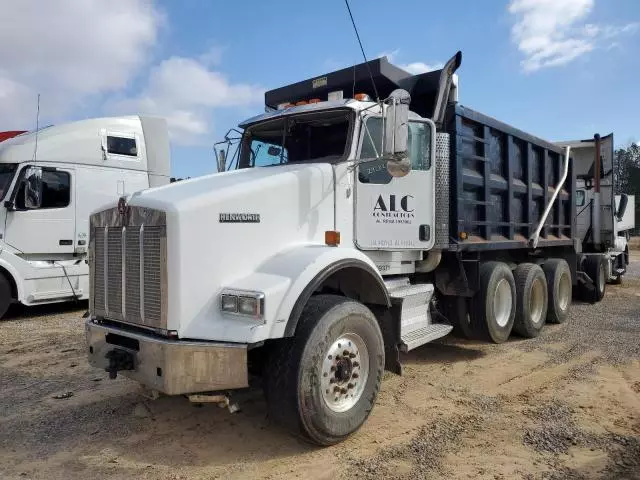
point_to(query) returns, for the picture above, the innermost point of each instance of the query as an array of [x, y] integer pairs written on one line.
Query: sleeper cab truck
[[343, 232], [50, 181]]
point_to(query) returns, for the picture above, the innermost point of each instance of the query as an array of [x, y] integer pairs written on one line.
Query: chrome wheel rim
[[502, 303], [536, 300], [345, 370], [564, 292]]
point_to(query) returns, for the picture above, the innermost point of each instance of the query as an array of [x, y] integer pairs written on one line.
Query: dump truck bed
[[500, 181]]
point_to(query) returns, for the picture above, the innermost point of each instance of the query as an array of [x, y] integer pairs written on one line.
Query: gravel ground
[[565, 405]]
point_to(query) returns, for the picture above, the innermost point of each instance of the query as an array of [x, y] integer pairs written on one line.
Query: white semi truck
[[367, 213], [50, 181]]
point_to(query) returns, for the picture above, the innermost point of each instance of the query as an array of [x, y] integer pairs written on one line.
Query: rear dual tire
[[531, 300], [521, 301], [494, 306], [594, 266], [559, 289]]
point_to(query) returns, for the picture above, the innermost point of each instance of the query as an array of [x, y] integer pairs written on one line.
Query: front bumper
[[173, 367]]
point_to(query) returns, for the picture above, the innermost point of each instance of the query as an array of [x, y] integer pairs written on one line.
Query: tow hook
[[118, 360]]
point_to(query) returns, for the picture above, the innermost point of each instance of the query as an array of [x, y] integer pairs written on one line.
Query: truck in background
[[368, 213], [50, 181], [603, 221]]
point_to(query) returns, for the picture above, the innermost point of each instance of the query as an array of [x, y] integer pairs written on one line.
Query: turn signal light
[[463, 235], [301, 102], [362, 97], [332, 238], [314, 100]]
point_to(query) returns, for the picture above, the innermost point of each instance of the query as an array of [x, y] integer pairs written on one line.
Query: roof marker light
[[335, 96]]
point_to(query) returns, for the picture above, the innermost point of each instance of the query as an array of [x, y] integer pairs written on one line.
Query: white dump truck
[[50, 181], [366, 213]]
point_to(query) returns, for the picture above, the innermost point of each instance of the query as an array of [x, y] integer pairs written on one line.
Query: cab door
[[396, 213], [49, 229]]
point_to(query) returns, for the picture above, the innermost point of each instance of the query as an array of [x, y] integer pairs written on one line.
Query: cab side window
[[419, 146], [122, 146], [56, 190]]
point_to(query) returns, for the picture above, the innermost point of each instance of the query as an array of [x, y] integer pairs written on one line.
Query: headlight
[[245, 303], [229, 303]]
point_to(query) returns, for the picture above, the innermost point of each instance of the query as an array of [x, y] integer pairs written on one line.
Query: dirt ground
[[563, 406]]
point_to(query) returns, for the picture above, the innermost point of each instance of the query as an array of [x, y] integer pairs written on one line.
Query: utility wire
[[375, 90]]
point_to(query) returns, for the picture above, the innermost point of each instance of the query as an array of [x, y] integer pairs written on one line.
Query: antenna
[[35, 150], [375, 90]]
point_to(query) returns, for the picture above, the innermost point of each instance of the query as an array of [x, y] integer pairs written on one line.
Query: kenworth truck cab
[[365, 213]]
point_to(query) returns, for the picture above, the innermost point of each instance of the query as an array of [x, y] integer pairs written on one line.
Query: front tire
[[323, 382], [5, 295]]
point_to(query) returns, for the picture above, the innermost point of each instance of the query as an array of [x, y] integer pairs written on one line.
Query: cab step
[[416, 327], [423, 335]]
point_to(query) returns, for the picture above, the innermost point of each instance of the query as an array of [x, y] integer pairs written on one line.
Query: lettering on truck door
[[396, 213]]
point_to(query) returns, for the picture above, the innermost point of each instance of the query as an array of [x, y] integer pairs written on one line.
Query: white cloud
[[69, 51], [414, 68], [420, 67], [549, 32], [186, 92]]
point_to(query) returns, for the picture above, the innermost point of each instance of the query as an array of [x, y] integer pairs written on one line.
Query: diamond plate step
[[423, 335], [395, 283], [411, 290]]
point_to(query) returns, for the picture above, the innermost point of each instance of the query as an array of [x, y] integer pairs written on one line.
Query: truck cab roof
[[129, 142]]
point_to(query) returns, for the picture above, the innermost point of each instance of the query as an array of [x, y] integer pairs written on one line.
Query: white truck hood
[[209, 246]]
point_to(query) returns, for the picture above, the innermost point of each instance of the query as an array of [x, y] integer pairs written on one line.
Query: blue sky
[[559, 69]]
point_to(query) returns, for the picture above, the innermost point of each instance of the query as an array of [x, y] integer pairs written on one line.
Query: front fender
[[288, 276]]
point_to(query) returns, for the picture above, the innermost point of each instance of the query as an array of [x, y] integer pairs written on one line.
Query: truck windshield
[[307, 137], [7, 170]]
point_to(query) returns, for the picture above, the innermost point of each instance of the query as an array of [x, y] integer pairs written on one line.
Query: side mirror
[[33, 187], [396, 133], [222, 161]]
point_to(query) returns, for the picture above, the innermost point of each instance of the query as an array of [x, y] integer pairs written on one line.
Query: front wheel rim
[[502, 303], [345, 370]]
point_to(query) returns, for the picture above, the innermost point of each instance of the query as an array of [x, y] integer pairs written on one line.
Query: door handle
[[65, 242]]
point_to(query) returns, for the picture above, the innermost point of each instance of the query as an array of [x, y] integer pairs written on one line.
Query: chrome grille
[[151, 242], [132, 273], [128, 267], [114, 271]]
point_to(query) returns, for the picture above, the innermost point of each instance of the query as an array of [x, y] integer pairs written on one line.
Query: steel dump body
[[500, 181]]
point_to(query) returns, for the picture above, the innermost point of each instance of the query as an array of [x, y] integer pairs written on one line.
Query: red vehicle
[[10, 134]]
